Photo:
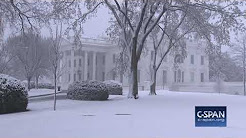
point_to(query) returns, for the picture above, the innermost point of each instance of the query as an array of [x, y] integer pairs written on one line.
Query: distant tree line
[[227, 66]]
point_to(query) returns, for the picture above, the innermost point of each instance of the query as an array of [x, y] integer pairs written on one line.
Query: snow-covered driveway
[[169, 114]]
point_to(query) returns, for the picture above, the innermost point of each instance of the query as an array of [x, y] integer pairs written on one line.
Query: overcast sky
[[96, 26], [93, 27]]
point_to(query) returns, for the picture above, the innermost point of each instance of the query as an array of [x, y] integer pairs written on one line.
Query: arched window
[[178, 59]]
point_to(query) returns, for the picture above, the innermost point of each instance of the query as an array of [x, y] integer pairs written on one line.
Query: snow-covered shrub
[[114, 87], [88, 90], [13, 95]]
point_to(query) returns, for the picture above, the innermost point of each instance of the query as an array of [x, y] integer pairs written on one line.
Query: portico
[[92, 61]]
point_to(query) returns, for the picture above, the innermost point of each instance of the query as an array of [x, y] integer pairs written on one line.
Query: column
[[85, 66], [72, 65], [94, 66]]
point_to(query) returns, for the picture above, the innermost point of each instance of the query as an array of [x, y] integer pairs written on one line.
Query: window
[[114, 58], [178, 59], [69, 77], [192, 59], [74, 62], [152, 55], [139, 73], [80, 62], [104, 59], [192, 77], [202, 77], [202, 60], [69, 63], [179, 76], [74, 77]]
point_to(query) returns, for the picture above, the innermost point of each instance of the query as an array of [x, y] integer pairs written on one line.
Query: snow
[[169, 114]]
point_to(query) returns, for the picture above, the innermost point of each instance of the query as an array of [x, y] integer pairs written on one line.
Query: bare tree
[[167, 36], [30, 52], [55, 56], [5, 59], [239, 51], [134, 20]]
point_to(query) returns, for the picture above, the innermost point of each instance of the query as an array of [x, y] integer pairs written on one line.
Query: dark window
[[114, 58], [179, 76], [202, 60], [178, 59], [69, 77], [80, 62], [74, 62], [192, 59], [69, 63]]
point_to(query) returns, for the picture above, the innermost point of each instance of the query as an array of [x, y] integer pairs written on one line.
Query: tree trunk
[[153, 83], [133, 83], [29, 83], [55, 76], [36, 81]]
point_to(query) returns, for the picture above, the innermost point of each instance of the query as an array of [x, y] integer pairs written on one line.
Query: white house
[[96, 60]]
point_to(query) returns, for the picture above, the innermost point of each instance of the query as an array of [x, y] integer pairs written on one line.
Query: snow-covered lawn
[[169, 114]]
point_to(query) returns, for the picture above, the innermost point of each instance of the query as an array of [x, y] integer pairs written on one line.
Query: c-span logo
[[210, 116]]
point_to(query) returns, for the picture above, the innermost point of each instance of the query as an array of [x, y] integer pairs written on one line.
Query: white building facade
[[96, 60]]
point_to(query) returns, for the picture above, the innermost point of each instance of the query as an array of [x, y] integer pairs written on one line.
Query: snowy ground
[[169, 114]]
